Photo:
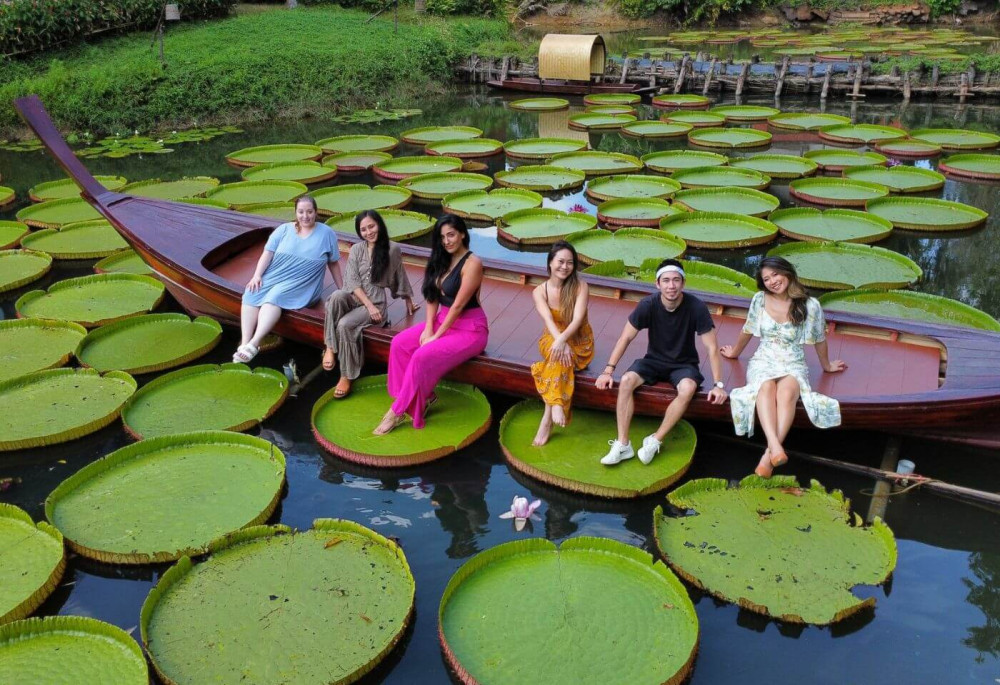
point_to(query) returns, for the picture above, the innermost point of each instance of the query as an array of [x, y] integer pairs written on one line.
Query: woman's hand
[[374, 313], [560, 352], [426, 337], [836, 366], [728, 351], [254, 284]]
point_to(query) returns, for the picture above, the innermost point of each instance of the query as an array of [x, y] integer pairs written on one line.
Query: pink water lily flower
[[521, 511]]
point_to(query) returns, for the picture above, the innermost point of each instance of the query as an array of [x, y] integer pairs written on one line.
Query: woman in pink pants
[[456, 329]]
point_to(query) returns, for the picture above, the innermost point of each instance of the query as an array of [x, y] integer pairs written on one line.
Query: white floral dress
[[782, 353]]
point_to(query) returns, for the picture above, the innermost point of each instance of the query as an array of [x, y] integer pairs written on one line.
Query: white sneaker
[[617, 453], [650, 447]]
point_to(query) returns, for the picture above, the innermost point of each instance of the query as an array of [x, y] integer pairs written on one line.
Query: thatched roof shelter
[[571, 57]]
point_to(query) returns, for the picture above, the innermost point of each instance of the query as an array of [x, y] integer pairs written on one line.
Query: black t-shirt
[[671, 334]]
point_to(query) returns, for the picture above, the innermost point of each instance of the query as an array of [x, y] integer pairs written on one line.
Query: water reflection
[[984, 592]]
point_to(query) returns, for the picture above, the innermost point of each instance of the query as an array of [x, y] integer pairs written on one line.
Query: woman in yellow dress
[[567, 343]]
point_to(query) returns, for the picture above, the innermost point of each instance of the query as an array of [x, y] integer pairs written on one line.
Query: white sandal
[[245, 354]]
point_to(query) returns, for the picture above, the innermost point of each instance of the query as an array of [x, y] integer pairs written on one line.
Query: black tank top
[[453, 282]]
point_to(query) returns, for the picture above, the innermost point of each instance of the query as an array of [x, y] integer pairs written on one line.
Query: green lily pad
[[400, 224], [56, 213], [255, 192], [21, 267], [67, 187], [680, 100], [566, 592], [777, 166], [172, 190], [733, 200], [202, 202], [911, 306], [719, 230], [806, 121], [144, 344], [634, 212], [7, 197], [542, 148], [344, 427], [93, 300], [356, 143], [307, 172], [831, 225], [123, 262], [57, 405], [927, 214], [354, 162], [838, 160], [843, 266], [435, 186], [909, 149], [465, 149], [266, 154], [694, 119], [70, 650], [282, 211], [596, 163], [744, 544], [11, 233], [541, 177], [611, 99], [316, 606], [479, 205], [610, 109], [33, 565], [698, 276], [741, 113], [401, 167], [163, 498], [595, 121], [29, 345], [718, 176], [655, 129], [839, 192], [357, 197], [539, 104], [898, 179], [568, 459], [542, 226], [838, 56], [81, 240], [206, 397], [630, 245], [985, 167], [729, 138], [860, 133], [432, 134], [956, 139], [631, 186], [669, 161]]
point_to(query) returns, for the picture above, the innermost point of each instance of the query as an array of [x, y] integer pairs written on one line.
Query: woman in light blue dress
[[289, 275]]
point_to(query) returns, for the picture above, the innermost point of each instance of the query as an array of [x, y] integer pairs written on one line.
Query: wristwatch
[[720, 385]]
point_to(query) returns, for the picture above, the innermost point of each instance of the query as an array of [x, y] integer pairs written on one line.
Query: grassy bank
[[307, 62]]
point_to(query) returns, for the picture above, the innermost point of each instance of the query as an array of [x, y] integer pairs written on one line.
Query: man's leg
[[626, 403], [686, 389]]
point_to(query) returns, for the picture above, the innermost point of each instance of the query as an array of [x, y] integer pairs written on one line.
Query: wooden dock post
[[625, 64], [809, 76], [935, 75], [781, 77], [742, 79], [963, 88], [880, 493], [682, 73], [708, 77], [859, 73], [906, 87], [826, 82], [504, 69]]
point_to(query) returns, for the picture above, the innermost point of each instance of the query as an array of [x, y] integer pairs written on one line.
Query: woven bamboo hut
[[571, 57]]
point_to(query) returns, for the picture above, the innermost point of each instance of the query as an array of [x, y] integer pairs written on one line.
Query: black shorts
[[652, 371]]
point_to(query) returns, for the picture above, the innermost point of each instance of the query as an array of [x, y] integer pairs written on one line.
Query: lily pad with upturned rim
[[611, 99], [632, 246], [680, 101], [67, 187], [33, 565], [29, 345], [357, 197], [187, 187], [593, 121], [542, 177], [354, 162], [898, 179], [465, 149], [636, 186], [266, 154], [911, 306], [956, 139], [11, 233], [985, 167], [845, 266], [307, 172], [776, 166], [718, 176], [203, 202], [18, 268], [358, 143], [838, 160], [698, 276], [398, 168], [655, 129], [805, 121], [255, 192], [479, 205], [56, 213], [431, 134], [831, 225], [669, 161], [927, 214], [729, 138], [733, 200], [719, 230], [93, 300], [7, 197], [539, 104], [634, 212], [860, 134], [609, 109], [282, 211], [145, 344], [694, 119], [400, 224], [123, 262], [435, 186], [542, 226], [542, 148], [742, 113], [597, 163], [837, 192], [909, 149], [80, 240]]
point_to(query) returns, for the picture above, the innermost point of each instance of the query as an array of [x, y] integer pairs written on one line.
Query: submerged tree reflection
[[984, 592]]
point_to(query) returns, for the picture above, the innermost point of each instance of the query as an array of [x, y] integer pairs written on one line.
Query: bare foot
[[329, 359], [764, 468], [558, 415], [544, 430], [389, 421]]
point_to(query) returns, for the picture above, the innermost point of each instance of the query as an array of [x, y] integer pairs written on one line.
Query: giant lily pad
[[729, 138], [307, 172], [357, 143], [632, 246], [596, 163], [694, 119], [354, 162], [433, 134], [67, 187], [719, 230], [610, 109], [634, 212], [266, 154], [167, 497], [70, 650], [838, 160], [631, 186], [56, 405], [397, 168], [698, 276], [357, 197], [21, 267], [566, 592], [81, 240], [195, 186], [541, 177], [7, 197], [205, 397], [717, 176], [805, 121], [898, 179], [436, 186], [282, 211], [775, 548], [611, 99], [595, 121], [328, 603], [479, 205], [144, 344], [252, 192], [838, 192], [777, 166], [670, 101], [542, 226], [56, 213], [542, 148], [400, 224], [986, 167], [123, 262], [539, 104], [860, 134], [956, 139], [927, 214], [909, 149], [669, 161], [568, 460], [832, 225], [909, 305], [465, 149], [93, 300], [741, 113], [29, 345], [33, 564], [843, 266], [11, 233], [733, 200], [203, 202], [656, 129]]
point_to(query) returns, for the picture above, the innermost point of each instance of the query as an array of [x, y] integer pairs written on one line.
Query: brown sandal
[[343, 388]]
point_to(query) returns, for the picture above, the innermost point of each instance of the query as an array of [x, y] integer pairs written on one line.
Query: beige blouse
[[358, 274]]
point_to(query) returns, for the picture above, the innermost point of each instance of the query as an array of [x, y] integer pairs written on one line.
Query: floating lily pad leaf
[[655, 129], [860, 133], [307, 172], [374, 116], [358, 144], [611, 99], [56, 213], [719, 230], [568, 460], [985, 167], [392, 170], [593, 121], [435, 186], [775, 548], [357, 197], [123, 262], [29, 345], [432, 134], [11, 233], [634, 212], [843, 266], [729, 138], [898, 179], [542, 226], [630, 245], [539, 104], [57, 405], [67, 187], [596, 163], [144, 344], [163, 498], [838, 192], [680, 100], [354, 162], [911, 306], [255, 192], [93, 300], [831, 225], [266, 154], [81, 240], [669, 161], [540, 177], [777, 166], [733, 200], [956, 139], [195, 186], [281, 211], [344, 427], [927, 214], [695, 119], [21, 267], [838, 56], [24, 146], [740, 113], [205, 397], [400, 224], [202, 202], [717, 176], [631, 186], [698, 276], [465, 149], [566, 591], [70, 649], [33, 565], [479, 205], [909, 149], [542, 148], [328, 603], [806, 121], [610, 109], [838, 160]]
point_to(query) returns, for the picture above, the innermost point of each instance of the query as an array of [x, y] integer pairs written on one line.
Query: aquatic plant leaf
[[843, 266], [11, 233], [611, 99], [806, 121], [911, 306], [67, 187], [357, 197], [29, 345], [898, 179], [631, 245], [596, 163], [354, 162], [542, 148], [668, 161], [80, 240], [153, 342], [838, 160], [926, 214], [21, 267], [729, 138], [356, 143], [265, 154], [956, 139], [539, 104], [860, 133], [680, 100], [985, 167], [401, 225], [254, 192], [33, 564], [542, 226], [465, 149], [733, 200], [282, 211], [479, 205], [56, 213], [595, 121], [837, 192], [741, 113], [307, 172], [374, 116], [430, 134], [719, 230], [695, 119], [719, 176], [777, 166], [541, 177], [656, 129], [831, 225], [435, 186], [397, 168], [123, 262], [187, 187], [93, 300], [634, 212], [631, 185]]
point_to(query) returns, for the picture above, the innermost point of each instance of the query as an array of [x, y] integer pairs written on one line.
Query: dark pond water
[[937, 621]]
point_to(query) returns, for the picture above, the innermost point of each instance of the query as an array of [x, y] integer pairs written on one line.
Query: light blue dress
[[294, 278]]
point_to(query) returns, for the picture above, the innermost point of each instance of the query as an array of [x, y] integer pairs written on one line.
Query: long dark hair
[[440, 260], [571, 286], [796, 290], [380, 253]]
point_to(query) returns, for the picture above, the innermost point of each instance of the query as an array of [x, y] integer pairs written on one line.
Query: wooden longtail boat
[[903, 376]]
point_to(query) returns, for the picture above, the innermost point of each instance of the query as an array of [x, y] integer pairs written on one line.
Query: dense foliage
[[689, 10], [983, 62]]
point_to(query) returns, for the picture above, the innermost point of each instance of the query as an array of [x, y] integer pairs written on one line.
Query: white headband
[[668, 268]]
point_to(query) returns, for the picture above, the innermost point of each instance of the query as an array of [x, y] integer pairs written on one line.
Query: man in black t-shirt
[[672, 318]]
